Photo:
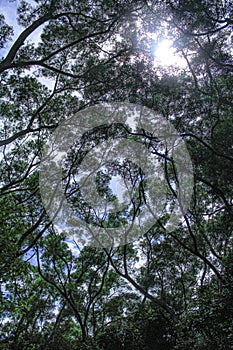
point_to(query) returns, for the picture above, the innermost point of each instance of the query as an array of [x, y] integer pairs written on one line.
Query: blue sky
[[9, 10]]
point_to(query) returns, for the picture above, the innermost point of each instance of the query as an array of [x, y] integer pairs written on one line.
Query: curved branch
[[188, 134], [153, 299], [20, 41], [7, 63]]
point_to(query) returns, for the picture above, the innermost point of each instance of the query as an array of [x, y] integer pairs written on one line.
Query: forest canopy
[[165, 289]]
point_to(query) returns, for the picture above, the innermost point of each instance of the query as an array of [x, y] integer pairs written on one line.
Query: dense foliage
[[167, 290]]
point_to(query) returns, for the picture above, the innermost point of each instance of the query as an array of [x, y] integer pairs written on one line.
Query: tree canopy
[[167, 289]]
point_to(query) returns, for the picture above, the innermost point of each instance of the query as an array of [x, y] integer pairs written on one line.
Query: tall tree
[[167, 290]]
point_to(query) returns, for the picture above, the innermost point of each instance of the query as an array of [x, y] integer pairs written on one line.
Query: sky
[[9, 10]]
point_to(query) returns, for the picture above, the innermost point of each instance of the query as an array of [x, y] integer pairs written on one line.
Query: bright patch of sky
[[166, 55], [117, 187], [131, 120], [73, 247], [30, 257]]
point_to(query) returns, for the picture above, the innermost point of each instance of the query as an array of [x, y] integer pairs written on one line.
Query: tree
[[168, 290]]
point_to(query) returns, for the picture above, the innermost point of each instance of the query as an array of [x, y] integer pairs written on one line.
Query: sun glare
[[165, 55]]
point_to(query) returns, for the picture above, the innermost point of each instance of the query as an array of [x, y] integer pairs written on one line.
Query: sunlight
[[166, 55]]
